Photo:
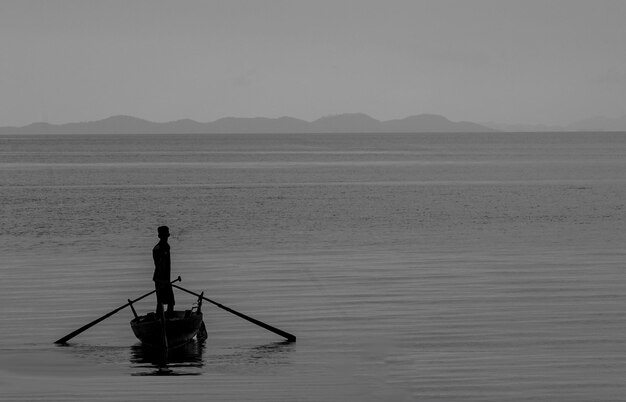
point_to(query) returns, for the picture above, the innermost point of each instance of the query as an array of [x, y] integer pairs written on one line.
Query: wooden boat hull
[[180, 328]]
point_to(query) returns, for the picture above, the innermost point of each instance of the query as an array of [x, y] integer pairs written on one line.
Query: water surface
[[473, 267]]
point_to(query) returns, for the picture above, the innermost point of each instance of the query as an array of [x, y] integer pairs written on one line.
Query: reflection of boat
[[184, 360], [189, 354], [171, 330]]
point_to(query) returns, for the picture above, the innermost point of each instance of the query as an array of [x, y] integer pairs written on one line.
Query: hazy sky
[[546, 61]]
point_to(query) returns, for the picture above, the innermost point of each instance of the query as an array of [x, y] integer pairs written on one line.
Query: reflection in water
[[273, 352], [251, 360], [184, 360], [102, 355], [190, 360], [193, 358]]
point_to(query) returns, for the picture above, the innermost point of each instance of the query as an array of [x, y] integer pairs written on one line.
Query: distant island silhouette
[[342, 123]]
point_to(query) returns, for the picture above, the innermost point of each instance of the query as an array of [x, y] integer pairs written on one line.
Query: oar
[[286, 335], [104, 317]]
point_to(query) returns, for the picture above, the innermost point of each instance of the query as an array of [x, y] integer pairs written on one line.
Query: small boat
[[174, 329], [171, 330]]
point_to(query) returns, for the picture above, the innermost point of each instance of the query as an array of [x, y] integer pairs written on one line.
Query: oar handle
[[286, 335], [104, 317]]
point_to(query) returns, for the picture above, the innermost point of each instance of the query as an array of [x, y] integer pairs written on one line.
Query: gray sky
[[525, 61]]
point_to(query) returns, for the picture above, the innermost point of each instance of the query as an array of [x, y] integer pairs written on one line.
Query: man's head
[[164, 232]]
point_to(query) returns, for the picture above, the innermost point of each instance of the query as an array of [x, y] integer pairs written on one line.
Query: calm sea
[[469, 267]]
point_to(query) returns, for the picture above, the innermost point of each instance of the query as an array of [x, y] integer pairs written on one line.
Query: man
[[162, 268]]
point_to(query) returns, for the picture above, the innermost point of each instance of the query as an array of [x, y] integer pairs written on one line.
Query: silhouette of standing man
[[162, 269]]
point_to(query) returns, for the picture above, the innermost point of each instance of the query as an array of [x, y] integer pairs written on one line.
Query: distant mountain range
[[342, 123]]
